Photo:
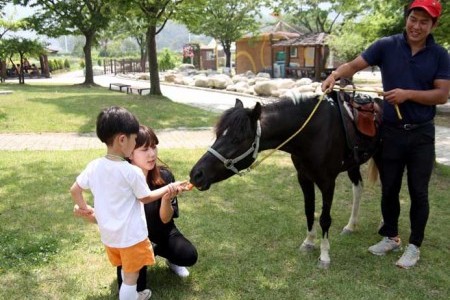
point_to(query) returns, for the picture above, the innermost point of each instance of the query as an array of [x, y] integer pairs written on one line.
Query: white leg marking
[[354, 217], [309, 242], [324, 260]]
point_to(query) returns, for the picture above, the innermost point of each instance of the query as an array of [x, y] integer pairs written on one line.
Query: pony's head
[[235, 147]]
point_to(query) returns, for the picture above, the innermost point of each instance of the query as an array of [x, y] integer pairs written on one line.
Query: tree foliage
[[78, 17], [355, 24], [319, 16], [226, 21]]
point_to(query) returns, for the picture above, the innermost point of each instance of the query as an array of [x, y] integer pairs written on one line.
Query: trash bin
[[280, 56], [282, 66], [276, 70]]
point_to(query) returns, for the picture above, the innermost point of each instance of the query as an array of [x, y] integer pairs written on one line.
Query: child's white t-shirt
[[116, 187]]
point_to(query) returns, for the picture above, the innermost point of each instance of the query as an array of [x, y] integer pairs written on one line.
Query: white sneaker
[[180, 271], [144, 295], [409, 257], [385, 245]]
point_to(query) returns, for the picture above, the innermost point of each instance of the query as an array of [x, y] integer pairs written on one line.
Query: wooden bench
[[119, 85], [130, 89]]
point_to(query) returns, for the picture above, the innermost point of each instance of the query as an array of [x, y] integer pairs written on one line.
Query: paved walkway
[[183, 138]]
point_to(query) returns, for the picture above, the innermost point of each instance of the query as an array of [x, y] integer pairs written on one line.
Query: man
[[416, 77]]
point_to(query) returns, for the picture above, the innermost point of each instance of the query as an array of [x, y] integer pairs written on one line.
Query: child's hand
[[87, 214], [80, 212], [172, 192]]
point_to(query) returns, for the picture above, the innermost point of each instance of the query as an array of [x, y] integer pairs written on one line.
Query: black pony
[[319, 152]]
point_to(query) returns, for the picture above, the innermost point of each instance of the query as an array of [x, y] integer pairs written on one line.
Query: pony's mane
[[288, 102], [237, 121]]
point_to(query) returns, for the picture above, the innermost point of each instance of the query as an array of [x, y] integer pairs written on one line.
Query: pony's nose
[[196, 176]]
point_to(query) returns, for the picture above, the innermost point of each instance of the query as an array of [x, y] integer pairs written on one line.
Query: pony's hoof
[[306, 248], [324, 265], [346, 231]]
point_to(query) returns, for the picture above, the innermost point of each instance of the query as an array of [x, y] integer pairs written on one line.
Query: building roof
[[309, 39], [280, 31]]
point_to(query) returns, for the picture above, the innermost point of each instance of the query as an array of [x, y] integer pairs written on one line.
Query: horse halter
[[229, 163]]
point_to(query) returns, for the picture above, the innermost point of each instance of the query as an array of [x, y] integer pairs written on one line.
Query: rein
[[257, 163], [229, 163]]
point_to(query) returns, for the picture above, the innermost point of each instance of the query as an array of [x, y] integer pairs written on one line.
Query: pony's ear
[[239, 103], [256, 112]]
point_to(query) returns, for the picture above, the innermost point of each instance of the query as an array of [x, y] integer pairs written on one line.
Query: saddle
[[366, 114], [361, 119]]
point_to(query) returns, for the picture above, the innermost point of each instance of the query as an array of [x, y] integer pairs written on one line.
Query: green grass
[[247, 231], [59, 108]]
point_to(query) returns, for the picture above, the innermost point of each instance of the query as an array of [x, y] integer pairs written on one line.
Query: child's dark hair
[[115, 120], [147, 138]]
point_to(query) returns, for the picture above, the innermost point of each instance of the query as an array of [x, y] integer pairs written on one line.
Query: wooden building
[[307, 56], [257, 53]]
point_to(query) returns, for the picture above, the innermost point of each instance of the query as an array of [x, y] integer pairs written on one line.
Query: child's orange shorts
[[132, 258]]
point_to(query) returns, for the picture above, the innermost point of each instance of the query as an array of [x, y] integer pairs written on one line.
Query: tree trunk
[[21, 73], [142, 42], [155, 88], [227, 50], [89, 76], [3, 73]]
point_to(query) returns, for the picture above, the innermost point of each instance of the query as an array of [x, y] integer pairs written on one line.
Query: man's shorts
[[132, 258]]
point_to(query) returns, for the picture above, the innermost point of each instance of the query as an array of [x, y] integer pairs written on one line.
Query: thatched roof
[[309, 39], [279, 31]]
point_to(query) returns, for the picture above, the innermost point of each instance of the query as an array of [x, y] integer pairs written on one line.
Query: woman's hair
[[147, 138]]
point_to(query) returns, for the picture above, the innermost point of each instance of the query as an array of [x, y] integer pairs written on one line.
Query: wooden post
[[317, 62]]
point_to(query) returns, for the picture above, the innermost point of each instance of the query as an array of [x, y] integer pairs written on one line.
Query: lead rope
[[257, 163]]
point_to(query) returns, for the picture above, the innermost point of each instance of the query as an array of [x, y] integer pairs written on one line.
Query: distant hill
[[174, 36]]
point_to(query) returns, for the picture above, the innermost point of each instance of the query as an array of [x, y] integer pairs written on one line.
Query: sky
[[16, 12]]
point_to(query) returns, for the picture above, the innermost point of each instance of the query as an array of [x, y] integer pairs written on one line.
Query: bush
[[82, 64], [66, 64], [99, 62], [51, 66], [167, 60]]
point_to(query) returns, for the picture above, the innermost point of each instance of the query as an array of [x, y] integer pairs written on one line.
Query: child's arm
[[77, 196], [178, 186]]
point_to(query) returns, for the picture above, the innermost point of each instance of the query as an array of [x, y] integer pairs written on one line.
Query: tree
[[22, 47], [154, 14], [226, 21], [319, 16], [77, 17], [7, 26], [124, 26], [441, 33]]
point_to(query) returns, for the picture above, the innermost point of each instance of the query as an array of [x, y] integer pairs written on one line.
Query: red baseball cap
[[432, 7]]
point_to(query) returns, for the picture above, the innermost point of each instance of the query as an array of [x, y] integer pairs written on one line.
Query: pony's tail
[[372, 171]]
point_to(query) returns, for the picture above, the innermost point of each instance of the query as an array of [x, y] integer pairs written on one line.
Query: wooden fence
[[123, 66]]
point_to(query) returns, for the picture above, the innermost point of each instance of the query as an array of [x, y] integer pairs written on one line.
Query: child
[[119, 189]]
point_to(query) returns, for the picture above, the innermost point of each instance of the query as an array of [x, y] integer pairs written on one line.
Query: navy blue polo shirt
[[399, 69]]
